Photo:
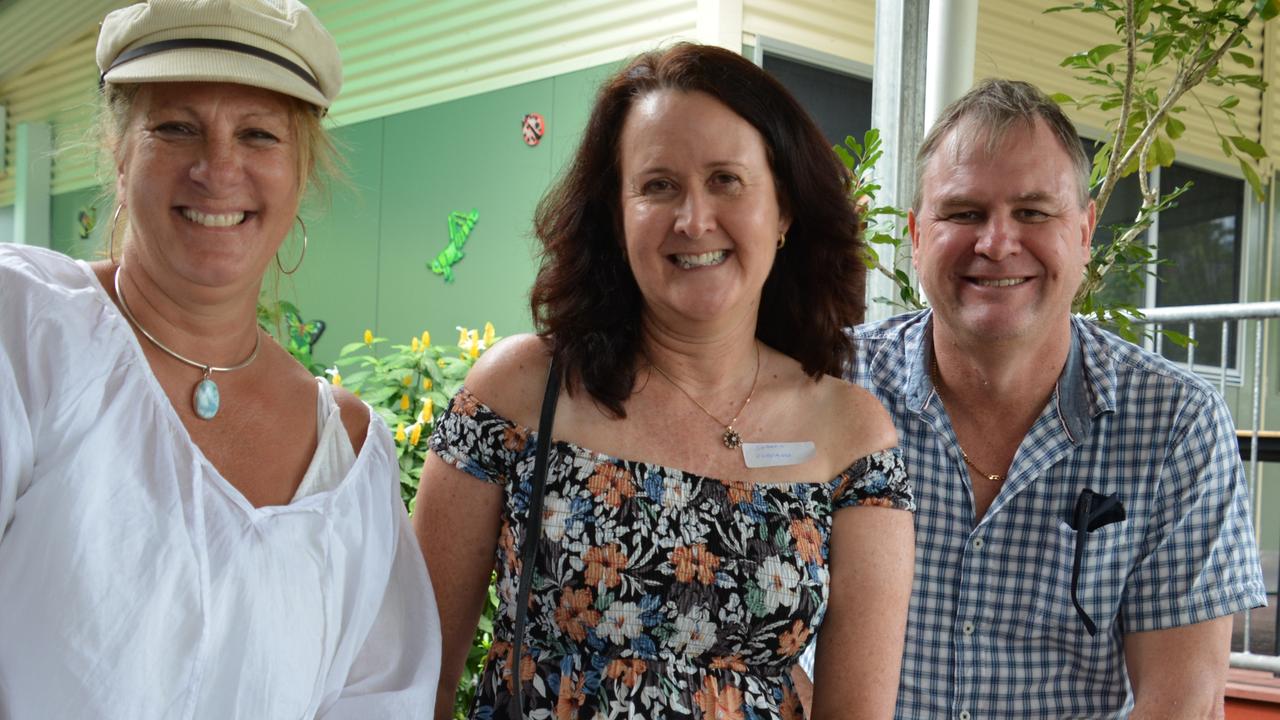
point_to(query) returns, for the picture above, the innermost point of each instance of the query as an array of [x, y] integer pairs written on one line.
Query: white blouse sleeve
[[396, 670], [20, 383]]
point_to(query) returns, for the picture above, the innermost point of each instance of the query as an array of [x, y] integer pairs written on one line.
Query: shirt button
[[978, 543], [964, 715], [968, 628]]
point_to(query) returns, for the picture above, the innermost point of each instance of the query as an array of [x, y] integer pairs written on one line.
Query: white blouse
[[136, 582]]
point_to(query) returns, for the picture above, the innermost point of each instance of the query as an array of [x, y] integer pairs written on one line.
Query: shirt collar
[[1085, 389]]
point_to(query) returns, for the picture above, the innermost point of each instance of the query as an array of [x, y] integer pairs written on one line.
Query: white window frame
[[1250, 225], [799, 53]]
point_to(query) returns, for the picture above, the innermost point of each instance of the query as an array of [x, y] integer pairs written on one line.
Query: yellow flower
[[441, 363], [404, 401], [416, 434], [414, 346], [337, 379], [428, 410], [488, 334], [368, 337], [407, 380], [426, 383], [473, 348], [400, 432], [426, 339], [462, 336]]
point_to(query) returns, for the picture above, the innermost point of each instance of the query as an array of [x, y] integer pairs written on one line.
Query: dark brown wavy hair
[[585, 298]]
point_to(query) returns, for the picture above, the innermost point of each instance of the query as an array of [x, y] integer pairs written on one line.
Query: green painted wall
[[64, 225], [370, 249]]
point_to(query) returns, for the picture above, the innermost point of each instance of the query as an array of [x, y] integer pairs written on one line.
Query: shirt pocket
[[1100, 588]]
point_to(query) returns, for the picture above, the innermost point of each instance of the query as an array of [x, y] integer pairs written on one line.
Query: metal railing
[[1240, 318]]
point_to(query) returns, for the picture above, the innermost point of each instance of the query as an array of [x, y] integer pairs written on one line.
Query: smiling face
[[1000, 239], [209, 176], [700, 212]]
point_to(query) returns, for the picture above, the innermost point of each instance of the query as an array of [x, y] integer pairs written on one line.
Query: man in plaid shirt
[[1083, 530]]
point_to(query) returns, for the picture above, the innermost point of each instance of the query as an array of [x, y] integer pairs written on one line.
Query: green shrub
[[410, 387]]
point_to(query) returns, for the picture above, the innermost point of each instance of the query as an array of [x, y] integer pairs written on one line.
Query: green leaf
[[1243, 58], [1162, 46], [1062, 98], [1254, 181], [1229, 102], [1178, 338], [1102, 52], [845, 158], [1162, 151], [1078, 60], [1248, 147], [1174, 127], [1267, 9], [1141, 12]]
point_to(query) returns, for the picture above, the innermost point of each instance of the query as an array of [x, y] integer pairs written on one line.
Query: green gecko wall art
[[460, 225]]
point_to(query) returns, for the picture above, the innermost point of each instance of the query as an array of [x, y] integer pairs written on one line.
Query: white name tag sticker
[[762, 455]]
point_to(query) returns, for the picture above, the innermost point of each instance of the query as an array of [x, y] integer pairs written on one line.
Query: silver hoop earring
[[298, 264], [111, 238]]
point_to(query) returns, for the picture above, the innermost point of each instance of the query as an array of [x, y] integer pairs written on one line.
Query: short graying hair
[[992, 108]]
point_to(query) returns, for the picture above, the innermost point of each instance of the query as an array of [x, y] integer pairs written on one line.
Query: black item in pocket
[[1092, 511]]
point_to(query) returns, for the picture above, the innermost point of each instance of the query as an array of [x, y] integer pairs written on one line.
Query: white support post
[[34, 172], [4, 133], [720, 23], [897, 110], [953, 32]]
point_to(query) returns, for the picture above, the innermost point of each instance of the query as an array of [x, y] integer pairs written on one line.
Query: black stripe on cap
[[230, 45]]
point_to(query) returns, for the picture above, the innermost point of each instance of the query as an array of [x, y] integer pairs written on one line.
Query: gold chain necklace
[[937, 387], [730, 438]]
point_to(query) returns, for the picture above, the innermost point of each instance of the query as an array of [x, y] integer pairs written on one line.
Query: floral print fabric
[[658, 593]]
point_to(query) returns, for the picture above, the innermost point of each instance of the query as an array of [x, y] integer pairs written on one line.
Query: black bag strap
[[533, 531]]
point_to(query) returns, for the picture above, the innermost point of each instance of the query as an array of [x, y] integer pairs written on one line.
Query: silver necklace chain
[[206, 369]]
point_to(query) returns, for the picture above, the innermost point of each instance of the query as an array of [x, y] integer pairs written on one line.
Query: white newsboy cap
[[274, 44]]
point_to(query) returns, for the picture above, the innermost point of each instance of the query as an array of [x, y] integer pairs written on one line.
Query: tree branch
[[1111, 177], [1184, 80]]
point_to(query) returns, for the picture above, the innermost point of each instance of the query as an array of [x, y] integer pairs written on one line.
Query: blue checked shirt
[[992, 632]]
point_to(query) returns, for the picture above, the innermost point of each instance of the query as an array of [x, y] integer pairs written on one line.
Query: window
[[839, 102], [1201, 240]]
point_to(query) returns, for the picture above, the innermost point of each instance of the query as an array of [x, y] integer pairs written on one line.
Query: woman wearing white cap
[[191, 526]]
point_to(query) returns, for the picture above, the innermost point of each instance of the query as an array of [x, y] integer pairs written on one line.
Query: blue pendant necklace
[[205, 399]]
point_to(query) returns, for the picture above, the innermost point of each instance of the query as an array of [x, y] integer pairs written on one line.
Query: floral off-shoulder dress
[[659, 594]]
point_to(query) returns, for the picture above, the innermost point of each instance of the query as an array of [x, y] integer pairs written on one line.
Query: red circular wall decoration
[[533, 127]]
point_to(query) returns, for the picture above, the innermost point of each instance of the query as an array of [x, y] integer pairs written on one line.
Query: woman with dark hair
[[700, 262]]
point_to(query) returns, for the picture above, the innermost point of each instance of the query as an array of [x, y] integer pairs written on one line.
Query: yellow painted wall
[[843, 28]]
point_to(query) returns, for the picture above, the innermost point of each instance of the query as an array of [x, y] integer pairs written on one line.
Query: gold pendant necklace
[[730, 438], [937, 387]]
